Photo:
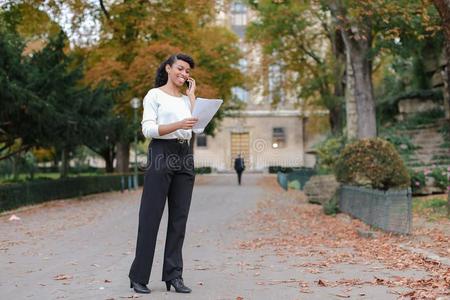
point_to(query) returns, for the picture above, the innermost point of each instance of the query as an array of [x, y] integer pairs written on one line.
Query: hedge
[[32, 192]]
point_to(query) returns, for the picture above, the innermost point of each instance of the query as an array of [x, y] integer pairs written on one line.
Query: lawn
[[433, 207]]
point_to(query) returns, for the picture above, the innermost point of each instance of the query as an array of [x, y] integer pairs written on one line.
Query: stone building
[[263, 133]]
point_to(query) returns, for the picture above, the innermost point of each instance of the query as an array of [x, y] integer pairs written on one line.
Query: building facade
[[262, 133]]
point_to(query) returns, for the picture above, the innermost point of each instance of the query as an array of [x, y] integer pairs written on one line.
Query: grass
[[432, 207]]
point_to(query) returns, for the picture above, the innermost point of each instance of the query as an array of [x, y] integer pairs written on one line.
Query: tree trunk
[[123, 157], [338, 74], [109, 165], [446, 92], [64, 163], [350, 101], [365, 102], [334, 118], [443, 7], [15, 166], [357, 37], [108, 155], [358, 47]]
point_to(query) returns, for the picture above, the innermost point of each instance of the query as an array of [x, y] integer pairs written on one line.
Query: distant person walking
[[239, 166]]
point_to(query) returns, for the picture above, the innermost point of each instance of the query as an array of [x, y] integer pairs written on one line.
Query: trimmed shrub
[[276, 169], [372, 162], [203, 170]]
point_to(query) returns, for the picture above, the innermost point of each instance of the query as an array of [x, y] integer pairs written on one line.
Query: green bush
[[331, 207], [440, 176], [294, 185], [372, 162], [276, 169], [203, 170], [402, 142], [418, 180], [328, 152]]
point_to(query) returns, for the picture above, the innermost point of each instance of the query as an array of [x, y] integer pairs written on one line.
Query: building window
[[243, 65], [240, 94], [201, 140], [238, 14], [278, 137]]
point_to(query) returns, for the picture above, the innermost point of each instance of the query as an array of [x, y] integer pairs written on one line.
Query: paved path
[[82, 249]]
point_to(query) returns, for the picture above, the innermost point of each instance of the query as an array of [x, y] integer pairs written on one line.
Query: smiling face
[[178, 73]]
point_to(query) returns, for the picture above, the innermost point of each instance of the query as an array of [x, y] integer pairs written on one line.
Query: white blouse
[[161, 108]]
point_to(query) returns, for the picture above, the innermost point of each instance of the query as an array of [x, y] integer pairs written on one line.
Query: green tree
[[73, 111], [20, 122], [137, 36], [43, 102], [309, 47], [443, 7], [367, 27]]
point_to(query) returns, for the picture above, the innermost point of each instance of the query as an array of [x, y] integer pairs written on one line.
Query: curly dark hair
[[161, 74]]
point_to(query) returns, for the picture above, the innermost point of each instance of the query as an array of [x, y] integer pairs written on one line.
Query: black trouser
[[239, 174], [170, 173]]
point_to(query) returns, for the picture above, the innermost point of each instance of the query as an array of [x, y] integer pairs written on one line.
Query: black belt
[[180, 141]]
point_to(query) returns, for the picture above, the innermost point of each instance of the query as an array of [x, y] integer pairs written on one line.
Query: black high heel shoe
[[139, 287], [178, 284]]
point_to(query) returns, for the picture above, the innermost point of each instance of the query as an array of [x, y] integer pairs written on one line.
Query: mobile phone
[[188, 84]]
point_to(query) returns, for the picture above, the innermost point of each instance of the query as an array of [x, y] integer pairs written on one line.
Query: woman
[[170, 174]]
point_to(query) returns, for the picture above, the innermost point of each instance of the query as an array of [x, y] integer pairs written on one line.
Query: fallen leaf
[[321, 283], [14, 218], [134, 296], [62, 277], [305, 291]]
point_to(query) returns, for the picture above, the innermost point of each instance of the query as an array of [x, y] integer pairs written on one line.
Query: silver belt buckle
[[182, 141]]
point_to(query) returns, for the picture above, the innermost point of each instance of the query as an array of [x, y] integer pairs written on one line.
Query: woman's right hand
[[187, 123]]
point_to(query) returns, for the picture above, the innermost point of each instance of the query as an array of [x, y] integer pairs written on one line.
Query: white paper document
[[204, 110]]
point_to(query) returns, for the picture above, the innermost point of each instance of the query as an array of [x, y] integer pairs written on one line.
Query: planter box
[[389, 210], [295, 179]]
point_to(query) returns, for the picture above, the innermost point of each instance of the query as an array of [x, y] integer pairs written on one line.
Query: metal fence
[[388, 210]]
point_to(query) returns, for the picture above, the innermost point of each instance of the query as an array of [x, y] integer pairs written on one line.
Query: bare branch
[[104, 9], [24, 148]]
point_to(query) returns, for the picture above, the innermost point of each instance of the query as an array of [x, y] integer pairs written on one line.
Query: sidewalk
[[253, 241]]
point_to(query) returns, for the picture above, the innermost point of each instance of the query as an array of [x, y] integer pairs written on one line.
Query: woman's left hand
[[191, 90]]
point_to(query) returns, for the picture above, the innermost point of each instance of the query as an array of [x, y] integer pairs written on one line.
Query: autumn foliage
[[372, 162]]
